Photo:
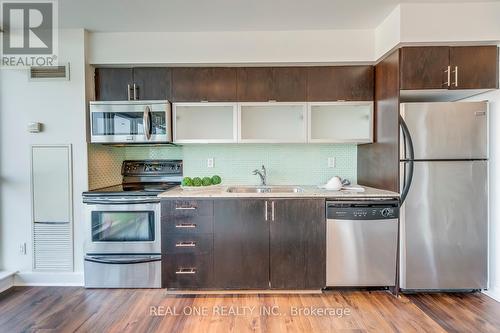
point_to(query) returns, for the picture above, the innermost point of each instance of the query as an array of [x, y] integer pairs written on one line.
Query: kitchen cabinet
[[241, 244], [454, 68], [212, 84], [118, 84], [262, 84], [187, 244], [424, 67], [205, 122], [153, 83], [340, 122], [272, 122], [474, 67], [333, 83], [113, 84], [297, 244]]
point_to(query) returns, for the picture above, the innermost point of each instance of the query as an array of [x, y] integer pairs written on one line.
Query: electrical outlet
[[331, 162], [210, 162], [22, 248]]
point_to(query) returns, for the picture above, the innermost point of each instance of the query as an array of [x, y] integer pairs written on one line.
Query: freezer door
[[444, 227], [447, 130]]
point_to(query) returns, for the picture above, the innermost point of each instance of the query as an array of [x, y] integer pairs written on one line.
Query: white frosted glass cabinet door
[[273, 122], [340, 122], [205, 122]]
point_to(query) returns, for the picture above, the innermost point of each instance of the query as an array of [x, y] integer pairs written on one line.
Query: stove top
[[143, 178]]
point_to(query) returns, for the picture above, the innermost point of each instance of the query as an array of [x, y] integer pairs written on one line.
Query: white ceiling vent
[[49, 73]]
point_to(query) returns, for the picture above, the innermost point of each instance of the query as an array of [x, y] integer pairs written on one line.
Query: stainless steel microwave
[[130, 122]]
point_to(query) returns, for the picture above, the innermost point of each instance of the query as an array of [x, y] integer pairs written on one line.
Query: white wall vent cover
[[49, 73], [52, 247]]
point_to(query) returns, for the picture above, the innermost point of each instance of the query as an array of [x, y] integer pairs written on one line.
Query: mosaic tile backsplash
[[286, 164]]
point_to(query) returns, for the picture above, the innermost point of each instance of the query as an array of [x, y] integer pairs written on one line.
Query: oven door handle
[[122, 260], [120, 201]]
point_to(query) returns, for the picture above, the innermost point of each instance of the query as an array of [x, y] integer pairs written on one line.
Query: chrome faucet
[[262, 175]]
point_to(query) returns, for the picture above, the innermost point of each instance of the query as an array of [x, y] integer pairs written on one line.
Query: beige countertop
[[309, 192]]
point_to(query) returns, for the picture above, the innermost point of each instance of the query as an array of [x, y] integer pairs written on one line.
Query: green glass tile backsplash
[[298, 164]]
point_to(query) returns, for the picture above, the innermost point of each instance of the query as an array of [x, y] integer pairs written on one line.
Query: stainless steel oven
[[117, 225], [130, 122], [123, 247]]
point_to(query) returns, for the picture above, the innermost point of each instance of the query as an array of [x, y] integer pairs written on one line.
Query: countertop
[[309, 192]]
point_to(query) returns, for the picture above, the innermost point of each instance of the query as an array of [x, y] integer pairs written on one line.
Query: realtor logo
[[29, 35]]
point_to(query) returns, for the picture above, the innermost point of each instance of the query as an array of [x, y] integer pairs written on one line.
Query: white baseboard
[[493, 293], [61, 279], [6, 281]]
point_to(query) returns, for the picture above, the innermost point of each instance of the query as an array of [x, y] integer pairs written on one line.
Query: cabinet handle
[[265, 210], [135, 91], [185, 244], [187, 225], [448, 74], [456, 76], [186, 271], [128, 91], [272, 211], [185, 208]]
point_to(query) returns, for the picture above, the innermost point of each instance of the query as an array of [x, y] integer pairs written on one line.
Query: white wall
[[259, 47], [60, 106], [438, 23]]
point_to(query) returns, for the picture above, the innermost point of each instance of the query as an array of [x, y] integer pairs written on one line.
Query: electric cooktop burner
[[144, 178]]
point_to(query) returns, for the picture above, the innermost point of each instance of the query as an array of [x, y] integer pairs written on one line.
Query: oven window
[[117, 226]]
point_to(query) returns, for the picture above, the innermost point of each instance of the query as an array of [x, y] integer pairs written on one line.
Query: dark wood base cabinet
[[244, 244]]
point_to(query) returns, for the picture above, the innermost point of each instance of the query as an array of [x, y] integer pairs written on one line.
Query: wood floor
[[70, 309]]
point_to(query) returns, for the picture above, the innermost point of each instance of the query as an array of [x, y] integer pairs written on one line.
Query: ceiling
[[225, 15]]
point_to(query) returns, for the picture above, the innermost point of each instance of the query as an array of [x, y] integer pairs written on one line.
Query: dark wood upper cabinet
[[262, 84], [241, 244], [117, 84], [255, 84], [474, 67], [424, 67], [443, 67], [332, 83], [153, 83], [217, 84], [297, 244], [113, 84]]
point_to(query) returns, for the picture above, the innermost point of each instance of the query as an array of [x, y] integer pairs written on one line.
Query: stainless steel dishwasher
[[362, 241]]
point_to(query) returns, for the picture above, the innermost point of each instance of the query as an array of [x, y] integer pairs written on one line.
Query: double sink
[[265, 189]]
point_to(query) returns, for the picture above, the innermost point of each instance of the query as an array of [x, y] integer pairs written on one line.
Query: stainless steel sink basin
[[265, 189]]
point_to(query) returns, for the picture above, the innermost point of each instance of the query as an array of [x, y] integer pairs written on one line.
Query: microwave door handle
[[146, 118]]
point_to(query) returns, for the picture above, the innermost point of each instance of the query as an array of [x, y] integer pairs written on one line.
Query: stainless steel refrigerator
[[444, 177]]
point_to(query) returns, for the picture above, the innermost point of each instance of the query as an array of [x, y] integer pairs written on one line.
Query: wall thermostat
[[34, 127]]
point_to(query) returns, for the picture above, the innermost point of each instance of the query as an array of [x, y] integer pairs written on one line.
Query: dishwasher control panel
[[362, 210]]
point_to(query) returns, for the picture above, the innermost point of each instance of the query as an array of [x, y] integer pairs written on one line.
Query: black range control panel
[[152, 168], [362, 210]]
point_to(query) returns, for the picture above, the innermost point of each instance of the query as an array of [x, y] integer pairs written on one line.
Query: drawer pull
[[186, 271], [186, 225], [185, 244], [185, 208]]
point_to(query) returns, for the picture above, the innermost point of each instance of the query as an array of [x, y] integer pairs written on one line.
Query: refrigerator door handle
[[408, 143]]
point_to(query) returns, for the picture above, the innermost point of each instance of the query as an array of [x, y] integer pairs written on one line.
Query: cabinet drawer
[[182, 271], [190, 244], [187, 225], [187, 208]]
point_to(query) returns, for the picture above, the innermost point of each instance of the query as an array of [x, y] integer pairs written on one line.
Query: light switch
[[34, 127], [210, 162], [331, 162]]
